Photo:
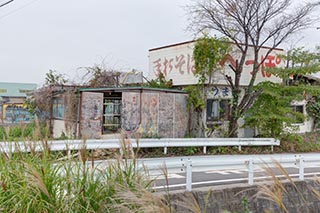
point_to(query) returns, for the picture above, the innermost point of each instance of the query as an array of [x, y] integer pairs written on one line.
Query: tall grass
[[287, 194], [49, 182], [29, 131], [46, 181]]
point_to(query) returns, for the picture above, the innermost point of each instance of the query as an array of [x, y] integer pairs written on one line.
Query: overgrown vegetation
[[290, 142], [58, 87], [298, 63], [313, 109], [100, 76], [249, 25], [160, 82], [24, 132], [287, 195], [45, 181], [42, 182], [272, 113], [207, 53]]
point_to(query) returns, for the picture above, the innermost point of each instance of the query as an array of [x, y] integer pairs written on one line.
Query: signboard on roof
[[176, 62]]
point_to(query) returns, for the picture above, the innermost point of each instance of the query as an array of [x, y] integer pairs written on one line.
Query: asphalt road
[[177, 181]]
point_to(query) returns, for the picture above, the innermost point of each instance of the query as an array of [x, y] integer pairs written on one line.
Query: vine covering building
[[176, 63]]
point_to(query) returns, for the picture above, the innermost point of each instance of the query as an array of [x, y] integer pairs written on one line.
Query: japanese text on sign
[[219, 92], [270, 61], [184, 64]]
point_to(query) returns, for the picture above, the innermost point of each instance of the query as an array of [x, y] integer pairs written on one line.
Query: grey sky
[[38, 35], [64, 35]]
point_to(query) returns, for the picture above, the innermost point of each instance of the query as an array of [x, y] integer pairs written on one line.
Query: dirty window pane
[[298, 108], [112, 118], [58, 108], [217, 110]]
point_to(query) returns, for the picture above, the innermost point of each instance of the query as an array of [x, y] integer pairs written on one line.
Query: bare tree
[[249, 23], [100, 76]]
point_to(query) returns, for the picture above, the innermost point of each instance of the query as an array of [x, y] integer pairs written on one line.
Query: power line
[[20, 8], [4, 4]]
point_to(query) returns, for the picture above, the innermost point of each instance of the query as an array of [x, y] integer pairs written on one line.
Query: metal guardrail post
[[204, 150], [165, 150], [300, 161], [189, 175], [250, 171], [239, 147], [68, 151]]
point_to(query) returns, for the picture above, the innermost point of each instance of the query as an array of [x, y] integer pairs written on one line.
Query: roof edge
[[191, 41], [129, 88]]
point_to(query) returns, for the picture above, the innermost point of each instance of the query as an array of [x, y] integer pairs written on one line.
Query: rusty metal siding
[[181, 116], [159, 114], [130, 112], [91, 115], [166, 115]]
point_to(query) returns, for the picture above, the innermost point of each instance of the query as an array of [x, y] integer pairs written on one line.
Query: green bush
[[30, 131], [307, 142]]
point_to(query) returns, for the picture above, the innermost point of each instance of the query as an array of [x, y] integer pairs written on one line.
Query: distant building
[[12, 98]]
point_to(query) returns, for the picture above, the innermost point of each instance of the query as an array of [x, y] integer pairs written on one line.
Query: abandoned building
[[104, 112], [176, 63], [153, 112]]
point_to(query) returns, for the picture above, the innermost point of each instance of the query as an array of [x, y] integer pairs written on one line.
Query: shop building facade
[[12, 99], [176, 63]]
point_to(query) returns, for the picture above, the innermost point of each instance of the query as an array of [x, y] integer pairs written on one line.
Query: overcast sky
[[63, 35]]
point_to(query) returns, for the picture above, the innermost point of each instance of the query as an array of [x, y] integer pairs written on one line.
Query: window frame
[[112, 114], [294, 109], [58, 108], [222, 115]]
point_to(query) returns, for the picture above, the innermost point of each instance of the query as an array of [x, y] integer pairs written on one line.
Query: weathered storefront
[[149, 111], [176, 63]]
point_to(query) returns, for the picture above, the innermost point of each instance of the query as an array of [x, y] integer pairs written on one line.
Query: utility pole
[[4, 4]]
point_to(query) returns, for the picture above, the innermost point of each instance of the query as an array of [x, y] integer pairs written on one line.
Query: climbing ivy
[[313, 109], [160, 82], [207, 53], [195, 99]]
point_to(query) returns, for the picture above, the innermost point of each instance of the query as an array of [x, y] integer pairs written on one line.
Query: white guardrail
[[205, 163], [187, 164], [59, 145]]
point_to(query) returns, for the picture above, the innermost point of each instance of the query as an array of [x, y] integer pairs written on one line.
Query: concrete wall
[[306, 126], [59, 128], [162, 114], [234, 198]]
